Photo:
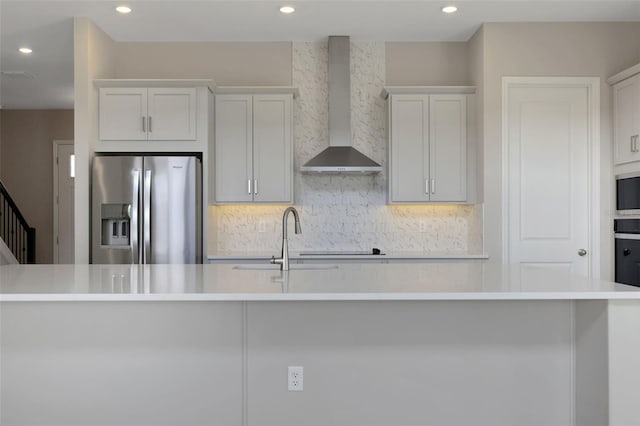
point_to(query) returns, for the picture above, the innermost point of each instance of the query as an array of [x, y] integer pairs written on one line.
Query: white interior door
[[548, 140], [63, 238]]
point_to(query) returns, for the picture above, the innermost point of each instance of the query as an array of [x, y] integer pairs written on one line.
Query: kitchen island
[[463, 343]]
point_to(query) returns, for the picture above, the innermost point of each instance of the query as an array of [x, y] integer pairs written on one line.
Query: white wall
[[6, 256], [93, 59]]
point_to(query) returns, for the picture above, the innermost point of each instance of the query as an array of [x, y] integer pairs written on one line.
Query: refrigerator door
[[115, 206], [172, 210]]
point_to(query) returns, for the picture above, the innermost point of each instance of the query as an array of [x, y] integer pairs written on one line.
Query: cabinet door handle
[[249, 186], [635, 143], [433, 186], [426, 186], [144, 127], [150, 124], [255, 186]]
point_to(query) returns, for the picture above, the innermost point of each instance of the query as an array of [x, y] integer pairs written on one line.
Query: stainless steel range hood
[[340, 156]]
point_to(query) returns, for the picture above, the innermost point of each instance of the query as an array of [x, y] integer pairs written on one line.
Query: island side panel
[[624, 362], [121, 363], [498, 363], [591, 363]]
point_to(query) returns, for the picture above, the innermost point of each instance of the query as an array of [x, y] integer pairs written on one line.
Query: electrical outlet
[[262, 226], [295, 378]]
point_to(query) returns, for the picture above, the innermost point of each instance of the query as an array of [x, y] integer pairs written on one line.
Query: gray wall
[[227, 63], [551, 49], [475, 48], [428, 64], [27, 167]]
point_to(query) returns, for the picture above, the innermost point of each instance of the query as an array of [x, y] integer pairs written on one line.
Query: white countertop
[[415, 281], [337, 255]]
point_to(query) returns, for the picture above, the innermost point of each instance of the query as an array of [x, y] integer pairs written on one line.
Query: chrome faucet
[[283, 260]]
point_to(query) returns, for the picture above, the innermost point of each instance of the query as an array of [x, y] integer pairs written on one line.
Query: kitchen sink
[[295, 267]]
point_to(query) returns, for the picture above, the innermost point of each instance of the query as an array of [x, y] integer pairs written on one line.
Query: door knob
[[582, 252], [626, 252]]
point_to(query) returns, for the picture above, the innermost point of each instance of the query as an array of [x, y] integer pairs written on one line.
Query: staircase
[[16, 233]]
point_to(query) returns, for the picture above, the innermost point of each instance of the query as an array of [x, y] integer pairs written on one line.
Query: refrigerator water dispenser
[[115, 224]]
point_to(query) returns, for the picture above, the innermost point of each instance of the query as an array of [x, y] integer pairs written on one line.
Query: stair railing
[[14, 229]]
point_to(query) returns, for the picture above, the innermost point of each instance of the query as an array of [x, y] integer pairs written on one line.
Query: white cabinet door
[[233, 149], [428, 148], [272, 148], [123, 114], [626, 111], [448, 147], [254, 149], [409, 148], [171, 114]]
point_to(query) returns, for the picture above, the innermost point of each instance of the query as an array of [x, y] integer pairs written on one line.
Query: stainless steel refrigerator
[[146, 209]]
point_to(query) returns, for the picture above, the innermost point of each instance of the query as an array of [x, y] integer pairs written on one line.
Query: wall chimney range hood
[[340, 157]]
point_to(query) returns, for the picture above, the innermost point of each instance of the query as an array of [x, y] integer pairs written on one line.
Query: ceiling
[[44, 79]]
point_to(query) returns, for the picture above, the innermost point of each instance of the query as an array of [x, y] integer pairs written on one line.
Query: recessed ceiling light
[[25, 50], [287, 9], [449, 9], [123, 9]]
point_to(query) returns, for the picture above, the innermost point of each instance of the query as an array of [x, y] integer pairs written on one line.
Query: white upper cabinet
[[123, 113], [428, 147], [254, 148], [409, 148], [272, 148], [171, 114], [626, 112], [147, 114], [234, 148], [448, 147]]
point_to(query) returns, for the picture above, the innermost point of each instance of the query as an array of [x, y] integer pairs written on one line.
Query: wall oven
[[627, 251], [626, 229], [628, 194]]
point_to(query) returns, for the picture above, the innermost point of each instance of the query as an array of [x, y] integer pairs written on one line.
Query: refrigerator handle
[[134, 215], [147, 217]]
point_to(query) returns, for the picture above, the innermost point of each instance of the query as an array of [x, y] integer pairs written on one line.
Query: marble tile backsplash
[[344, 212]]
